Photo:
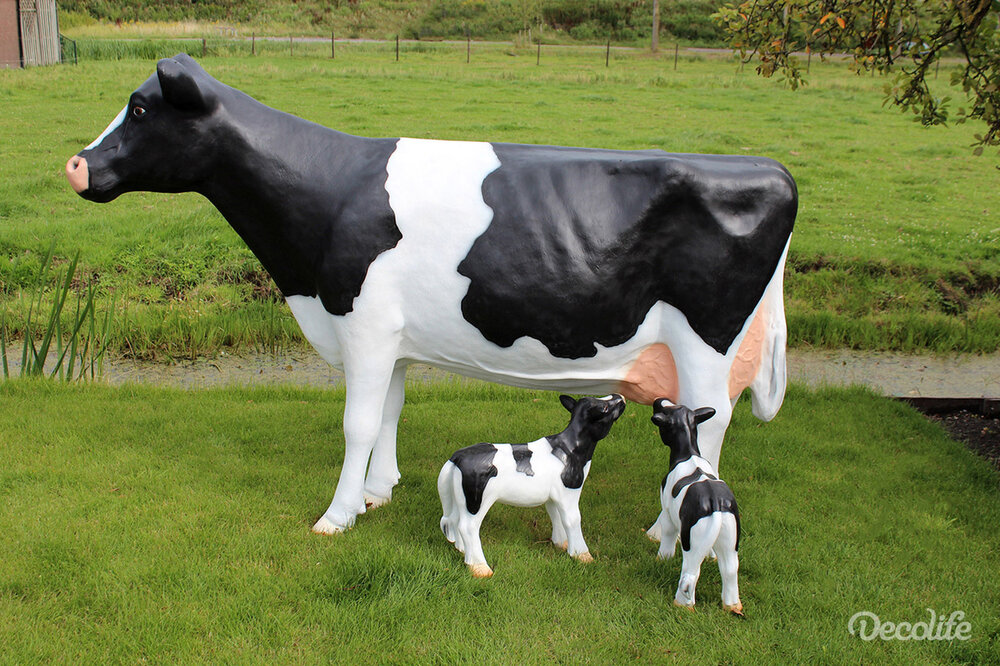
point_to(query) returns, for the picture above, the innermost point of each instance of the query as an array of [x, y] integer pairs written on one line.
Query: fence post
[[333, 45], [677, 48], [538, 56], [607, 54], [468, 49], [203, 47], [397, 48], [253, 43], [291, 46]]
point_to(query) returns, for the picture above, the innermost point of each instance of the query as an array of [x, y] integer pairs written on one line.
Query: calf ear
[[180, 89], [567, 402], [703, 414], [659, 419]]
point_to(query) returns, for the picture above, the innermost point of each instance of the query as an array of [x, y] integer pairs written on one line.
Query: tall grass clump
[[77, 347]]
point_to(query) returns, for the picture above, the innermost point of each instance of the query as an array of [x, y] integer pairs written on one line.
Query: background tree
[[904, 37]]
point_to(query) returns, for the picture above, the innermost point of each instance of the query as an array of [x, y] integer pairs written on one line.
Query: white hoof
[[481, 570], [326, 526], [373, 501], [654, 532]]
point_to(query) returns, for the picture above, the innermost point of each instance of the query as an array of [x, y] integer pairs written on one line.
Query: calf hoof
[[735, 609], [561, 545], [689, 607], [373, 501], [653, 533], [481, 570], [326, 526], [585, 557]]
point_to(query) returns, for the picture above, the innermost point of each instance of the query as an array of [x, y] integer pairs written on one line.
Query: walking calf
[[697, 506], [548, 471]]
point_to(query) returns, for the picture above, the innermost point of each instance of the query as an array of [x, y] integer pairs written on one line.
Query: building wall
[[10, 48]]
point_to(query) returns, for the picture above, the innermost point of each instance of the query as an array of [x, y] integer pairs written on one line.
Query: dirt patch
[[979, 433]]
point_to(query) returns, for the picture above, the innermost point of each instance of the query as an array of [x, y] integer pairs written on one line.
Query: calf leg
[[468, 527], [703, 534], [668, 537], [367, 379], [558, 532], [383, 470], [569, 511], [729, 564]]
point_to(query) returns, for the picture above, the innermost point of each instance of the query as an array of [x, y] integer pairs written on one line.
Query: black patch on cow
[[573, 458], [476, 465], [584, 241], [310, 202], [703, 499], [687, 480], [522, 458]]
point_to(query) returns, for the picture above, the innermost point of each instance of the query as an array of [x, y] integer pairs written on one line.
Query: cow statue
[[642, 273], [548, 471], [697, 507]]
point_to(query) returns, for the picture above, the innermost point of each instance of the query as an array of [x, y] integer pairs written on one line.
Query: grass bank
[[897, 244], [170, 526]]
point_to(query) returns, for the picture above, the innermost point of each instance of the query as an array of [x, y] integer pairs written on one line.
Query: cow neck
[[310, 202], [574, 447], [685, 446]]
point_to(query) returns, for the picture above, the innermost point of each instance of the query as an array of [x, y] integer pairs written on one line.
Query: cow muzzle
[[78, 174]]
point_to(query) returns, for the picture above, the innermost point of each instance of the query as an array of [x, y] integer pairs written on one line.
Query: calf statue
[[697, 506], [548, 471], [641, 272]]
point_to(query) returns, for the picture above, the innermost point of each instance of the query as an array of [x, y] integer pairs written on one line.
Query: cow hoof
[[585, 557], [653, 533], [373, 501], [689, 607], [561, 545], [326, 526], [735, 609], [480, 570]]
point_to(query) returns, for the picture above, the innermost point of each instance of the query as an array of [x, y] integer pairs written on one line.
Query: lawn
[[173, 527], [897, 244]]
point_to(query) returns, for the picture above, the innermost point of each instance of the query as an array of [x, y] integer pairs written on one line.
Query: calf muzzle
[[78, 174]]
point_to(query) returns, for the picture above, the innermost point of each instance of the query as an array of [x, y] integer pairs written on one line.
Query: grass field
[[163, 526], [897, 243]]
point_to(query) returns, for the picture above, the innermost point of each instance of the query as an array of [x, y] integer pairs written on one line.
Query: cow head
[[679, 427], [162, 141], [592, 418]]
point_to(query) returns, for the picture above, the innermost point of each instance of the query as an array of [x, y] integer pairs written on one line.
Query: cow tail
[[445, 491], [768, 387]]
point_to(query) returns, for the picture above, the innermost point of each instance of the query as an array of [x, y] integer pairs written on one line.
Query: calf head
[[163, 140], [679, 428], [592, 418]]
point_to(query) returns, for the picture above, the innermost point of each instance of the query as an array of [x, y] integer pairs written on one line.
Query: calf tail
[[768, 386]]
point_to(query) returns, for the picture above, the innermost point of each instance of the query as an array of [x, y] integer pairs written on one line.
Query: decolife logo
[[868, 626]]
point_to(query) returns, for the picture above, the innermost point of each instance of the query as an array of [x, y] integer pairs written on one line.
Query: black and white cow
[[588, 271], [548, 471], [697, 507]]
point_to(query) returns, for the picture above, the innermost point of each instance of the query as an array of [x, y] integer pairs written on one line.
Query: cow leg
[[367, 379], [383, 470], [558, 533], [576, 546], [468, 527]]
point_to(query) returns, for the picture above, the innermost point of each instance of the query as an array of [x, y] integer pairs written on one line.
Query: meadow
[[897, 243], [157, 525]]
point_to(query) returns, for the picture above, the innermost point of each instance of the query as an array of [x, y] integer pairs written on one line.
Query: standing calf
[[697, 506], [548, 471]]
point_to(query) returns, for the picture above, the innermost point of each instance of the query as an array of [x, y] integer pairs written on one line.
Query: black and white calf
[[548, 471], [697, 506], [579, 270]]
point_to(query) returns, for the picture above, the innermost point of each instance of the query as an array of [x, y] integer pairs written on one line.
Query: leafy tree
[[906, 38]]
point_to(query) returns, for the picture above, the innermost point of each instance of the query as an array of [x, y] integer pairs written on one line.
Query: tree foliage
[[906, 38]]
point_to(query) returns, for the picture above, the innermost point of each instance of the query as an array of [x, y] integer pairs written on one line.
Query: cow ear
[[179, 86], [567, 402], [703, 414]]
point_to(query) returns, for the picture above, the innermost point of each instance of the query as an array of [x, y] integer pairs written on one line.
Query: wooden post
[[677, 48], [607, 54], [397, 48], [809, 59], [203, 47], [538, 56], [468, 49], [333, 45], [291, 46], [655, 43], [253, 43]]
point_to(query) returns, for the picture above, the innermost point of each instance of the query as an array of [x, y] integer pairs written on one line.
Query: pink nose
[[77, 173]]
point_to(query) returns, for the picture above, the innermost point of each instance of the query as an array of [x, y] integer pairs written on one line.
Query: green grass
[[897, 244], [173, 527]]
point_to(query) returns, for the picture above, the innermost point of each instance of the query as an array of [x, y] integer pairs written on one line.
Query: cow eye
[[138, 111]]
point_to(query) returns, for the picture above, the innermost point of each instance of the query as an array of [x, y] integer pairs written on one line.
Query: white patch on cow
[[119, 119]]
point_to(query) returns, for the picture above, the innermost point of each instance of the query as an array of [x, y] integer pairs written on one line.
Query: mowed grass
[[897, 243], [143, 524]]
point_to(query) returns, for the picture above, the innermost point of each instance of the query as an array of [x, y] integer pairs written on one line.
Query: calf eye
[[138, 111]]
